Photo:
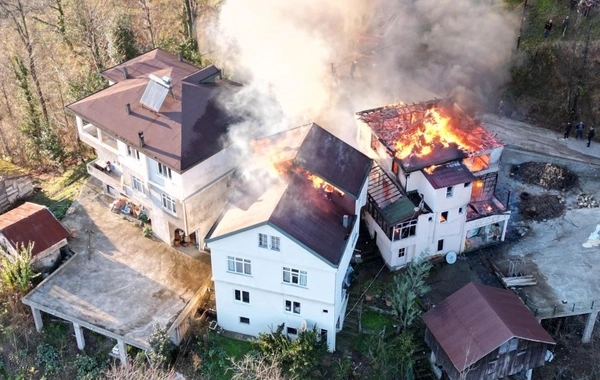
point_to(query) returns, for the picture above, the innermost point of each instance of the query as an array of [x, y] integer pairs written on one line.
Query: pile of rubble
[[546, 175], [541, 207], [586, 201]]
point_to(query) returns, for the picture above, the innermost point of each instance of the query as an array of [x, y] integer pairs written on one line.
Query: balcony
[[99, 170], [97, 139]]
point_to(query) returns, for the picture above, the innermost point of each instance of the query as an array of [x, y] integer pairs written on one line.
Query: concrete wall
[[12, 189]]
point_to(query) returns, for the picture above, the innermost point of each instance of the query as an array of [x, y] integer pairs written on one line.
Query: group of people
[[579, 129]]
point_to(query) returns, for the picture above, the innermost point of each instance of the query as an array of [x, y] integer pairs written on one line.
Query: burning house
[[433, 187], [281, 250]]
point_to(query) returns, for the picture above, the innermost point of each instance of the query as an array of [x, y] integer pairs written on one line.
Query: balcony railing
[[98, 169]]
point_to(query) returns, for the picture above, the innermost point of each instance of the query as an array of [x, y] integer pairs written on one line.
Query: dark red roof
[[190, 124], [478, 319], [32, 222], [450, 174], [330, 158]]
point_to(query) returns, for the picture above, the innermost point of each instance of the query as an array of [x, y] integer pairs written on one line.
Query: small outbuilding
[[482, 332], [34, 223]]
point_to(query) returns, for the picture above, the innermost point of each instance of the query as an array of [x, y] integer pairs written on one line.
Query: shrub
[[48, 359], [16, 271], [88, 368], [161, 346], [147, 232]]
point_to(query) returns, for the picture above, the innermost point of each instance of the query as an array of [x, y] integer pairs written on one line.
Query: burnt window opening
[[395, 167], [444, 217], [484, 187], [404, 230], [374, 140]]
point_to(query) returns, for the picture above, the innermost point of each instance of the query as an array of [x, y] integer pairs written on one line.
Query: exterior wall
[[208, 171], [323, 300], [527, 355], [203, 208], [13, 189], [47, 259]]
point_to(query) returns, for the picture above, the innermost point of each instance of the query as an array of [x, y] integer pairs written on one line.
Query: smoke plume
[[314, 60]]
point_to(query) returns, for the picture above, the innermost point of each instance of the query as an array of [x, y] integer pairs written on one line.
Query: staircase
[[422, 367], [346, 337]]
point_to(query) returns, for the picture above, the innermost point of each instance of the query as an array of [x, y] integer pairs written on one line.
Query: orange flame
[[319, 183], [420, 141]]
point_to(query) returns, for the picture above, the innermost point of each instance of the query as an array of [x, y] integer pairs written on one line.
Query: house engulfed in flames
[[432, 190]]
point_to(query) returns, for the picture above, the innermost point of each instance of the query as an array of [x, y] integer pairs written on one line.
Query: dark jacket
[[568, 127], [591, 133]]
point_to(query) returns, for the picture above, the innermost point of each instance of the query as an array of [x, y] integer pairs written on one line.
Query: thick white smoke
[[296, 57]]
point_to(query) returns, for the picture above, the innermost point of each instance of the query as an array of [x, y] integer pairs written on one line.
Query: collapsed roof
[[189, 125], [305, 181], [427, 133]]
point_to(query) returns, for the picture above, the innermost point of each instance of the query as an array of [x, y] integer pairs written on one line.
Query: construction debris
[[546, 175], [541, 207], [586, 201], [512, 282]]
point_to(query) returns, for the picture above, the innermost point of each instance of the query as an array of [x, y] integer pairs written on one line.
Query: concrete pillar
[[504, 230], [37, 318], [122, 351], [589, 327], [79, 336]]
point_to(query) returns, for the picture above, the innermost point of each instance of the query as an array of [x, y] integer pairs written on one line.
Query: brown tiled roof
[[32, 222], [190, 125], [332, 159], [450, 174], [291, 204], [478, 319]]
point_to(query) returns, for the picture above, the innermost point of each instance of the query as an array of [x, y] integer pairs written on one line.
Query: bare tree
[[148, 25]]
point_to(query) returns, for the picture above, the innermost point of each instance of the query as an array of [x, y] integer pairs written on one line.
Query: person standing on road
[[567, 130], [591, 135], [500, 109], [579, 130], [547, 28]]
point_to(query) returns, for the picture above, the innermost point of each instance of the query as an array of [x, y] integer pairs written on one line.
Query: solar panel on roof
[[155, 93]]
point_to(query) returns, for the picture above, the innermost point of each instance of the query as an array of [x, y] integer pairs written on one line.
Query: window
[[275, 241], [405, 230], [294, 276], [440, 244], [262, 240], [245, 320], [325, 311], [137, 184], [242, 296], [449, 191], [444, 217], [401, 252], [238, 265], [394, 167], [460, 210], [292, 331], [374, 141], [168, 203], [467, 184], [324, 335], [509, 346], [164, 171], [132, 152], [292, 306]]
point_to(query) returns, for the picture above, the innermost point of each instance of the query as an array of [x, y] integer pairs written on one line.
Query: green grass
[[375, 321], [232, 347], [59, 192]]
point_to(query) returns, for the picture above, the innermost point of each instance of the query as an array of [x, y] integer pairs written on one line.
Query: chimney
[[125, 72], [346, 221], [128, 108], [141, 136], [180, 56]]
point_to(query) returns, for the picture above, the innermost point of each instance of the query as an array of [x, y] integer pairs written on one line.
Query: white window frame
[[164, 171], [402, 252], [405, 230], [275, 243], [293, 307], [137, 184], [239, 265], [245, 320], [294, 276], [238, 295], [449, 191], [169, 203], [132, 152], [263, 240]]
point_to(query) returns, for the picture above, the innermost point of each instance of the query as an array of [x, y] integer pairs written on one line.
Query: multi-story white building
[[281, 251], [432, 190], [158, 132]]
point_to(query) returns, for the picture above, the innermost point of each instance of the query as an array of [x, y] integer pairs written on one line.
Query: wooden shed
[[481, 332]]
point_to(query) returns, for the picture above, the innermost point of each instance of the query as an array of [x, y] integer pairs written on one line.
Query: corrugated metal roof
[[450, 174], [478, 319], [191, 123], [32, 222]]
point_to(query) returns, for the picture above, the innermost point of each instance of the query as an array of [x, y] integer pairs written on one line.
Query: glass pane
[[247, 268]]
